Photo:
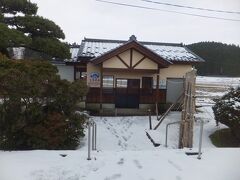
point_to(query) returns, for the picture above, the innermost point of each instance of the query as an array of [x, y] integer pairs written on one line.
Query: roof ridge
[[161, 43], [104, 40], [125, 41]]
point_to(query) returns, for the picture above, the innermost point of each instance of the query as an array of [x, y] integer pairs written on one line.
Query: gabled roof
[[176, 53], [132, 44]]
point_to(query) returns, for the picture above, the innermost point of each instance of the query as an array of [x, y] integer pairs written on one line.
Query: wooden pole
[[186, 128], [101, 86], [157, 89]]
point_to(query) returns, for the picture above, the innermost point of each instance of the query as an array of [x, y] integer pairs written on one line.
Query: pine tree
[[220, 59], [21, 26]]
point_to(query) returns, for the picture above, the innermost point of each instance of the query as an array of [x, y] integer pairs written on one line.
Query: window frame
[[116, 84], [108, 89]]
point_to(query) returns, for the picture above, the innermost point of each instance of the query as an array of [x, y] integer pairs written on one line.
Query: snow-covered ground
[[129, 133], [216, 164], [125, 152]]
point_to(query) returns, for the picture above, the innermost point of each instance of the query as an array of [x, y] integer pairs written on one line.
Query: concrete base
[[147, 106], [93, 106], [110, 110], [81, 105]]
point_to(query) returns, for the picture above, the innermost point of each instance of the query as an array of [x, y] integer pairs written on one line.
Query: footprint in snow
[[121, 161], [178, 178], [175, 165], [95, 169], [136, 162], [113, 177], [125, 139]]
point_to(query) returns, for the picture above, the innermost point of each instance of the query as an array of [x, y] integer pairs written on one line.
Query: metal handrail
[[166, 137], [93, 137]]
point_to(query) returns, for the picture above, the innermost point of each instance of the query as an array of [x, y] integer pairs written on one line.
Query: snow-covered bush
[[227, 111]]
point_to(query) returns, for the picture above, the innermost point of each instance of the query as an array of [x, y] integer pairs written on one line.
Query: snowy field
[[219, 81], [125, 153]]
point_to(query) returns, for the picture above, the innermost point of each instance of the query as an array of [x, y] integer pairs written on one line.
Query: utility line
[[170, 11], [191, 7]]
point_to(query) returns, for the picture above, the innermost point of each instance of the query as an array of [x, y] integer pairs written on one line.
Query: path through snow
[[129, 132]]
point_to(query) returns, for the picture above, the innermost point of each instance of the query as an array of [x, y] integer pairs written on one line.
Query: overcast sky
[[92, 19]]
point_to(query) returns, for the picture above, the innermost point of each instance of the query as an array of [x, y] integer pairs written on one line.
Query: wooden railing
[[109, 95]]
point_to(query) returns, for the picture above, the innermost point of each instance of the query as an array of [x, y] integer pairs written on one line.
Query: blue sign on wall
[[94, 76]]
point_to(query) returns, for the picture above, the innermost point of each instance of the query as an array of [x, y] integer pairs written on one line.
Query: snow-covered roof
[[74, 52], [168, 51]]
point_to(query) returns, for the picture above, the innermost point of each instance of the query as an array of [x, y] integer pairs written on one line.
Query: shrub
[[37, 108], [227, 111]]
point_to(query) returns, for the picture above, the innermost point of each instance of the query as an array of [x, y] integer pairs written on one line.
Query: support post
[[93, 135], [89, 141], [101, 86], [200, 141], [157, 114], [150, 119], [157, 90]]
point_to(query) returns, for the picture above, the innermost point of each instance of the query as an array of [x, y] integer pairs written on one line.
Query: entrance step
[[124, 112], [130, 112]]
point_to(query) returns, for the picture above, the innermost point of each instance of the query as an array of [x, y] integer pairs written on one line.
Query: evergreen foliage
[[21, 26], [221, 59], [18, 6], [50, 46], [37, 108], [12, 37], [227, 111]]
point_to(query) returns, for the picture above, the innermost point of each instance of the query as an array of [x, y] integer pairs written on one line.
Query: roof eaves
[[201, 59]]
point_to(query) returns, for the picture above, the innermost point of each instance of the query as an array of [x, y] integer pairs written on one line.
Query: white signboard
[[162, 84], [94, 79]]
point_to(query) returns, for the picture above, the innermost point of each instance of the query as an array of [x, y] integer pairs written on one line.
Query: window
[[122, 83], [108, 81], [147, 84], [108, 84], [80, 73]]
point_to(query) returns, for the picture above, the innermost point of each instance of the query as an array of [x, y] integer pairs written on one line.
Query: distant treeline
[[221, 59]]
